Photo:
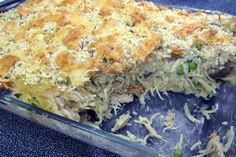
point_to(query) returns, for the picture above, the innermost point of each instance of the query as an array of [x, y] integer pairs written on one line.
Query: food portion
[[189, 138], [148, 125], [215, 148], [121, 122], [77, 58]]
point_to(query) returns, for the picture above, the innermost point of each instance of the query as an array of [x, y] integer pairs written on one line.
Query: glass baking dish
[[75, 129], [88, 134]]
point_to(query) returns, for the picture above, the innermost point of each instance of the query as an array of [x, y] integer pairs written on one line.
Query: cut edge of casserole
[[76, 57]]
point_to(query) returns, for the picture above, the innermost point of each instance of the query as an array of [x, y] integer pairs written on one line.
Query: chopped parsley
[[199, 47], [65, 81], [35, 102]]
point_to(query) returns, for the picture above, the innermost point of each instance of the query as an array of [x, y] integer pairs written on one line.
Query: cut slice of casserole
[[74, 57]]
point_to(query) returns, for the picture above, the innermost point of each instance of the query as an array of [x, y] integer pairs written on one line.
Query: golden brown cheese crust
[[106, 35], [6, 62]]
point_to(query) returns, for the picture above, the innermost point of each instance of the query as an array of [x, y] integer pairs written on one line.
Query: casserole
[[109, 79]]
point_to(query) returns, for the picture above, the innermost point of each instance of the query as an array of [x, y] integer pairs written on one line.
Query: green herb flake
[[35, 102], [160, 47], [104, 60], [18, 95], [65, 81], [199, 47]]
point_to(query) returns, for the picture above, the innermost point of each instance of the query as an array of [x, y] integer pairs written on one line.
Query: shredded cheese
[[180, 143], [230, 138], [147, 123], [195, 145], [215, 148], [169, 122], [121, 122], [207, 112], [190, 116], [131, 137]]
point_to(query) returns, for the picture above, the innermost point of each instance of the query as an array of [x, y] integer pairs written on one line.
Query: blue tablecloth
[[20, 137]]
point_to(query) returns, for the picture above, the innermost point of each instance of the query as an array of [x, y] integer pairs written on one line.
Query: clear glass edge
[[134, 146], [94, 131]]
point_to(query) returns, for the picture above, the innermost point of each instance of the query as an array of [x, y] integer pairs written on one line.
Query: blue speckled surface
[[20, 137]]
